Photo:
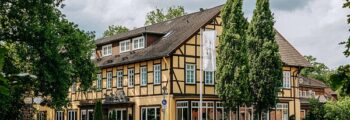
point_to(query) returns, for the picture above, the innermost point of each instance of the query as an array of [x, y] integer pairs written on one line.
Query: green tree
[[45, 53], [112, 30], [159, 15], [98, 115], [340, 80], [265, 63], [316, 111], [347, 43], [338, 110], [233, 87], [318, 70]]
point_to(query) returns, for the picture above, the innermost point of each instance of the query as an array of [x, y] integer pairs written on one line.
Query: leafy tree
[[347, 43], [45, 53], [233, 87], [338, 110], [340, 80], [112, 30], [316, 111], [158, 15], [98, 111], [265, 64], [318, 70]]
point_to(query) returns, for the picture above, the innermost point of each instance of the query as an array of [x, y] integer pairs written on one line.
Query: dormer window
[[124, 46], [138, 43], [107, 50]]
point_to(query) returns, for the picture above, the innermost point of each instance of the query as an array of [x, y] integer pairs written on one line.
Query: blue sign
[[163, 102]]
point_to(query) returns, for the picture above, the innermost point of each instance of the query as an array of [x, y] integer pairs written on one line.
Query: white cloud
[[314, 27]]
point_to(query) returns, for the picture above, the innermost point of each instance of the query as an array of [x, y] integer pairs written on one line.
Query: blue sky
[[313, 27]]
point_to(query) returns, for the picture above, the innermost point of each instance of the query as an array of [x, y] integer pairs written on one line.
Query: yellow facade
[[173, 76]]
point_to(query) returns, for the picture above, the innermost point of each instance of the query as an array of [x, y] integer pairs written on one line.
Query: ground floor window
[[86, 114], [72, 115], [219, 111], [282, 111], [182, 110], [41, 115], [150, 113], [59, 115], [207, 110], [120, 114]]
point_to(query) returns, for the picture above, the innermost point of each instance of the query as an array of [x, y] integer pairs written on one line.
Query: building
[[140, 68], [312, 88]]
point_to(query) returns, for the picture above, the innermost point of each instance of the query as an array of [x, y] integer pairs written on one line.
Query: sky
[[313, 27]]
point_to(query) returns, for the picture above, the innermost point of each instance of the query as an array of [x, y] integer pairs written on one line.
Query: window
[[93, 54], [157, 74], [124, 46], [282, 109], [41, 115], [120, 114], [143, 76], [207, 110], [99, 82], [219, 111], [109, 80], [209, 77], [138, 43], [131, 77], [286, 79], [72, 115], [150, 113], [87, 114], [119, 79], [182, 110], [190, 73], [107, 50], [59, 115]]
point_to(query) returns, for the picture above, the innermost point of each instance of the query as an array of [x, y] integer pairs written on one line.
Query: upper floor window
[[131, 77], [138, 43], [109, 80], [157, 74], [190, 73], [74, 87], [107, 50], [143, 76], [286, 79], [99, 81], [119, 79], [209, 77], [124, 46]]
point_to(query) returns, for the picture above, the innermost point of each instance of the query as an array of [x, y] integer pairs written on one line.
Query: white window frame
[[107, 50], [138, 43], [74, 114], [99, 82], [131, 77], [286, 79], [157, 74], [181, 105], [143, 76], [155, 112], [283, 107], [209, 80], [74, 87], [59, 115], [124, 44], [119, 81], [190, 68], [109, 80]]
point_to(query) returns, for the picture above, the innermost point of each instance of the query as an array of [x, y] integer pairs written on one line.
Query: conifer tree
[[98, 111], [265, 65], [233, 88]]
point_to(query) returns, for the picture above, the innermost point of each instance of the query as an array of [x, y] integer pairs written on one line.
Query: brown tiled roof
[[177, 31], [310, 82]]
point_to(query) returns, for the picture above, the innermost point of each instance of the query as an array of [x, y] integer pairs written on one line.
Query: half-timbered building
[[140, 68]]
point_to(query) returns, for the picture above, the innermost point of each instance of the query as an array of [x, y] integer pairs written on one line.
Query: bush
[[98, 111]]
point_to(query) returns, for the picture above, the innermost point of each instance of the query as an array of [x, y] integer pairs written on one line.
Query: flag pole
[[200, 76]]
